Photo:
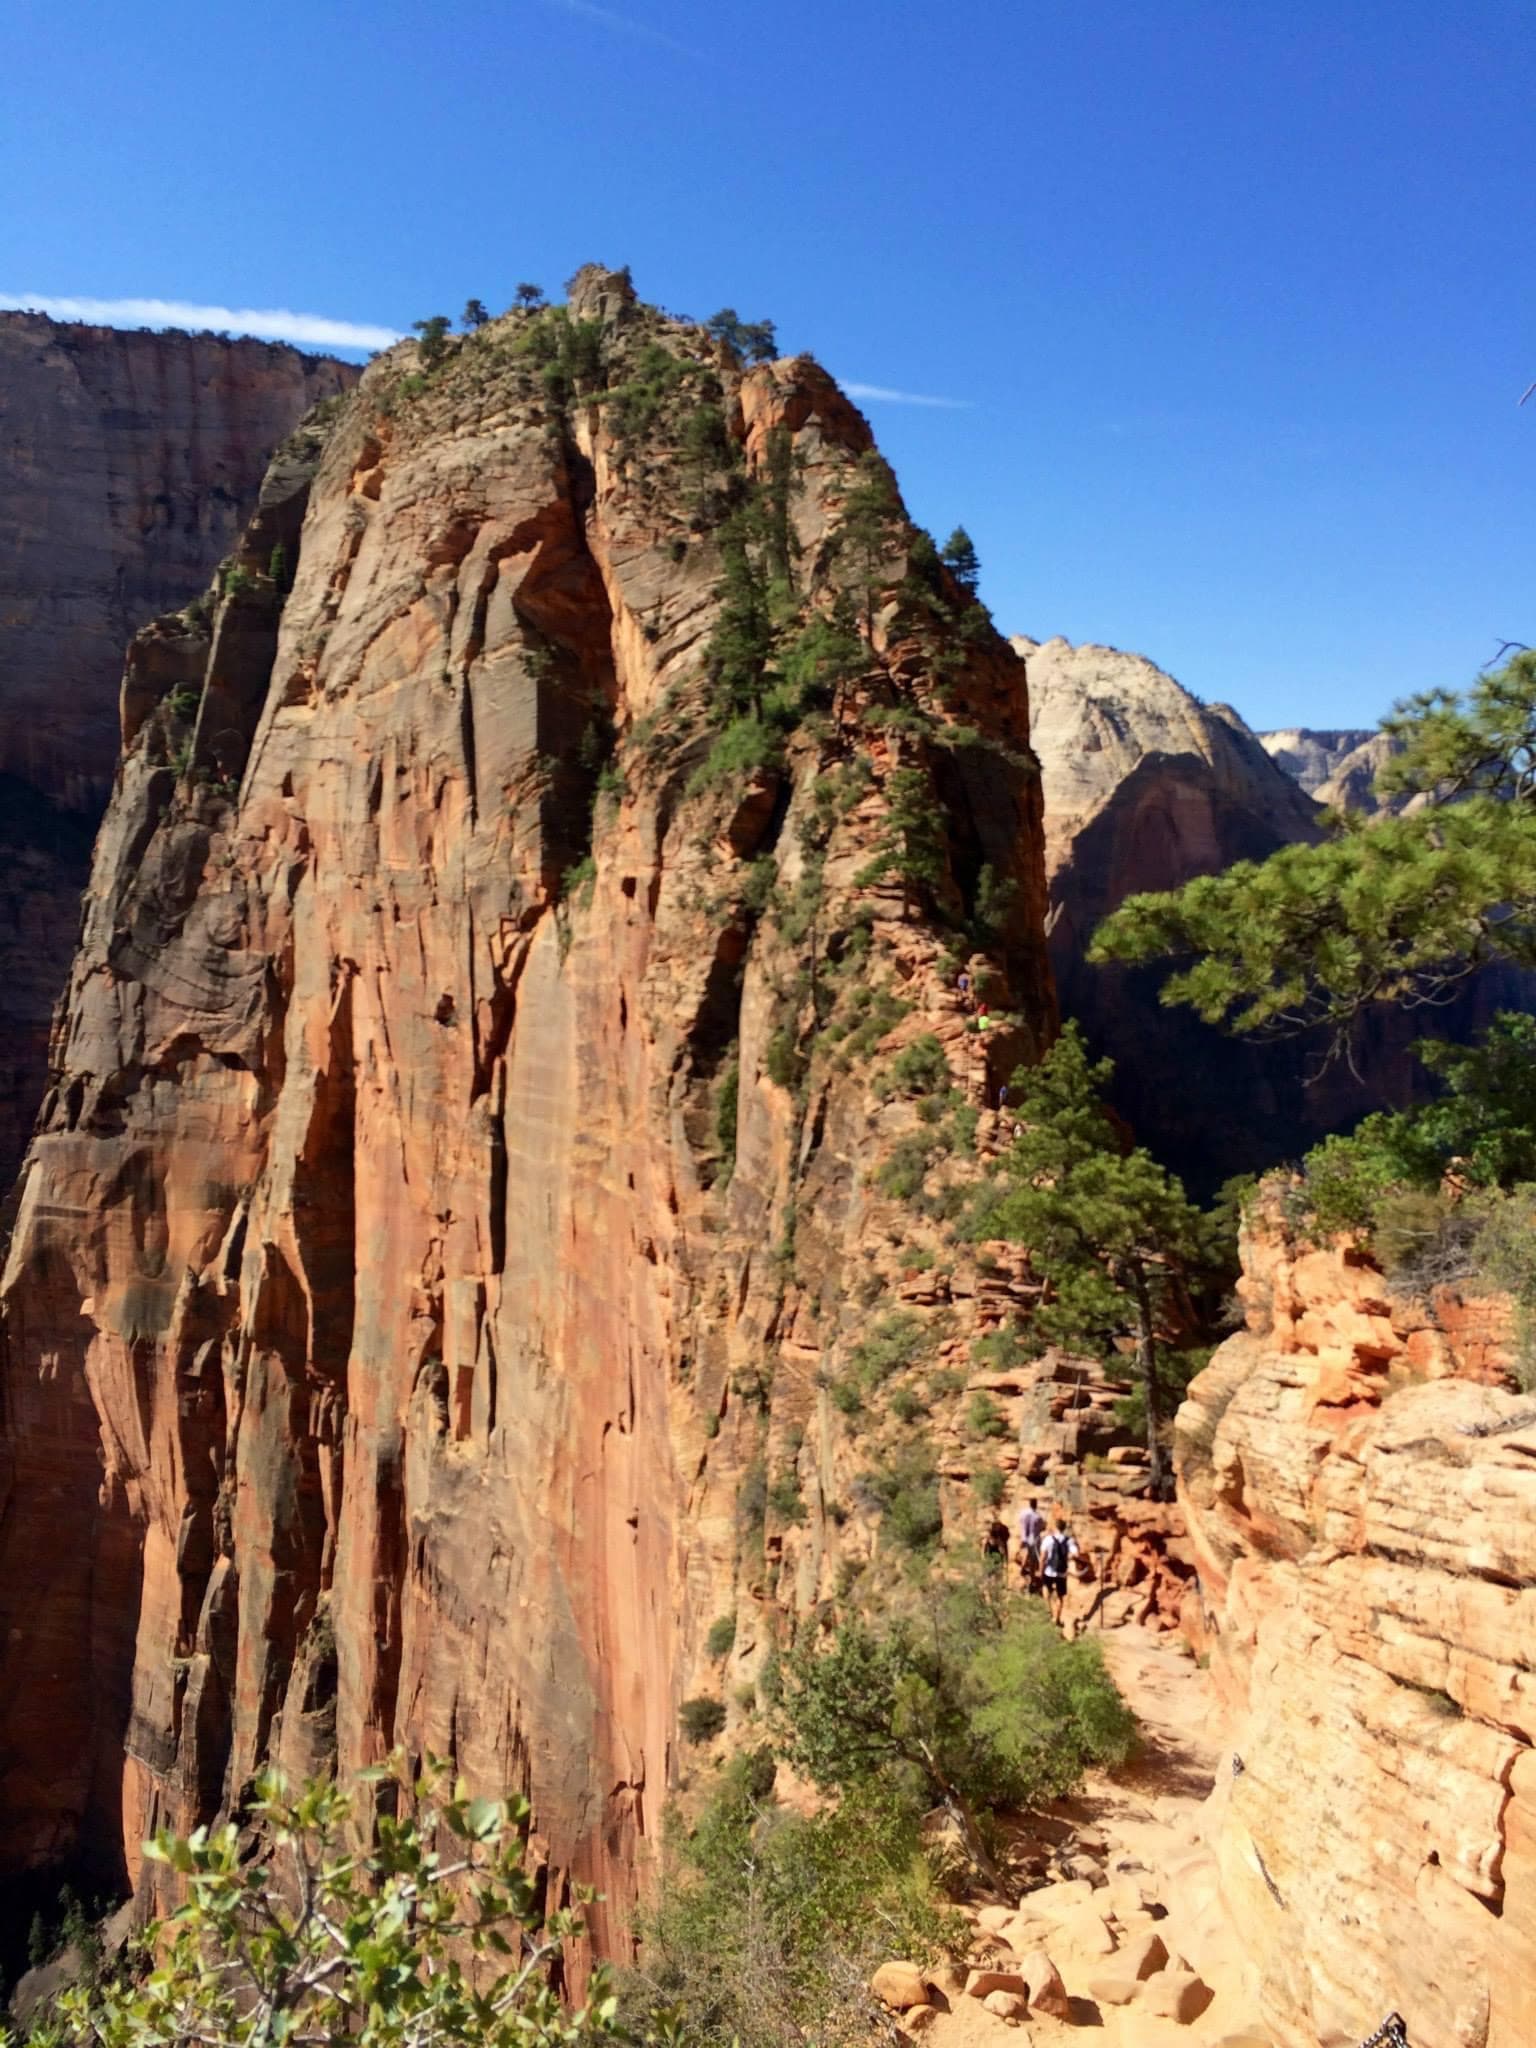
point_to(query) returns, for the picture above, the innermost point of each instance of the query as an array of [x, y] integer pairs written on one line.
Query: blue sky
[[1234, 296]]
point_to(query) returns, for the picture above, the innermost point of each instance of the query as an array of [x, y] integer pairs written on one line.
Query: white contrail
[[626, 24], [270, 324], [881, 393]]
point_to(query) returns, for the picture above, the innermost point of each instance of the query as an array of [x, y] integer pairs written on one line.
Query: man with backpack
[[1055, 1562]]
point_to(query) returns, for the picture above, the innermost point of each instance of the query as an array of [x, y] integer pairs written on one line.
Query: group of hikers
[[1045, 1555]]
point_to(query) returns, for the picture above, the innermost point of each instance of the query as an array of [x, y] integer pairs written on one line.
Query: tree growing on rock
[[1111, 1232], [434, 338], [959, 556], [475, 314], [529, 297]]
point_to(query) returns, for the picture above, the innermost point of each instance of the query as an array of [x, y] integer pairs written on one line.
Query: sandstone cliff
[[1146, 787], [438, 1256], [132, 462], [1339, 769], [1360, 1489]]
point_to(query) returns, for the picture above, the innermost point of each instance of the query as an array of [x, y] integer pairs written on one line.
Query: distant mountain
[[1338, 768]]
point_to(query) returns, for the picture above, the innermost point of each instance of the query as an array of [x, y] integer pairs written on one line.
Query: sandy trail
[[1149, 1818]]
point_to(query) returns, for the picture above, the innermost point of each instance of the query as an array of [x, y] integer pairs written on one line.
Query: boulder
[[1143, 1957], [1116, 1990], [1043, 1986], [994, 1919], [1055, 1901], [1008, 2005], [1175, 1995], [899, 1985], [982, 1983]]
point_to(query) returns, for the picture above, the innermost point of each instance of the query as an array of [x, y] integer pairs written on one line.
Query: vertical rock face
[[459, 1155], [1360, 1491], [131, 464], [1337, 768]]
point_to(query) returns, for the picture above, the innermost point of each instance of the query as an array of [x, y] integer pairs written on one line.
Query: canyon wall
[[1359, 1485], [1339, 769], [436, 1257], [132, 462]]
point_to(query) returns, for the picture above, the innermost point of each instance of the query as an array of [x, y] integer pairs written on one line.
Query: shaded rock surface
[[132, 462], [1360, 1488], [434, 1252]]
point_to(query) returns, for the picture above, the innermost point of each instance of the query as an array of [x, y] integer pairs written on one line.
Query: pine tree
[[865, 532], [959, 556], [529, 297], [1391, 909], [475, 314], [434, 338], [1111, 1232]]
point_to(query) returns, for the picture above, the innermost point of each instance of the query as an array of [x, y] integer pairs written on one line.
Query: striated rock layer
[[1360, 1490], [463, 1104], [132, 462]]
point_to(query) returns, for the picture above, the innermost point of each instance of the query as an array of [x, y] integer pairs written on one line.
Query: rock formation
[[1146, 787], [132, 462], [435, 1260], [1339, 769], [1360, 1487]]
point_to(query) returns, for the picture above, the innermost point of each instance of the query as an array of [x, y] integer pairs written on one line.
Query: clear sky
[[1234, 298]]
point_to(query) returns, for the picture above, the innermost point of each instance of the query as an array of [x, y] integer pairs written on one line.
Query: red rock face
[[386, 1334], [1361, 1499], [132, 462]]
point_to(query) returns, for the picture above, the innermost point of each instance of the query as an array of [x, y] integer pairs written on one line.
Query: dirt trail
[[1142, 1828]]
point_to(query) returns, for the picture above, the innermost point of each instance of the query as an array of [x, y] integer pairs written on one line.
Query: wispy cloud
[[626, 24], [879, 394], [269, 324]]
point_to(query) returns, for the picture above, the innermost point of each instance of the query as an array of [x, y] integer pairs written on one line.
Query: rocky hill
[[1359, 1482], [1146, 787], [510, 1094], [132, 462], [1339, 769]]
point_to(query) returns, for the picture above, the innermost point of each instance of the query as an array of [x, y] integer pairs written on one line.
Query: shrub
[[782, 1061], [784, 1497], [907, 1489], [701, 1718], [988, 1482], [846, 1396], [721, 1639], [983, 1417], [918, 1069], [768, 1923], [428, 1924], [905, 1405], [902, 1172], [896, 1341], [752, 1498]]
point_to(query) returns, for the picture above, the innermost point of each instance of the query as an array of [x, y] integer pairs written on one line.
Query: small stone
[[1175, 1995], [1088, 1933], [899, 1985], [981, 1983], [1143, 1957], [1008, 2005], [1112, 1990], [1043, 1986]]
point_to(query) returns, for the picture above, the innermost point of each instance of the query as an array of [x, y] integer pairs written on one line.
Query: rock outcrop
[[132, 462], [435, 1261], [1360, 1486], [1145, 788], [1339, 769]]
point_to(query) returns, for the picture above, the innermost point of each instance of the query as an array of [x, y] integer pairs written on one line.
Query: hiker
[[994, 1550], [963, 983], [1055, 1561], [1031, 1535]]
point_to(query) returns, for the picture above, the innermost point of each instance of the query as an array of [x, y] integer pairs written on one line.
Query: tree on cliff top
[[431, 1936], [1112, 1233], [1396, 910]]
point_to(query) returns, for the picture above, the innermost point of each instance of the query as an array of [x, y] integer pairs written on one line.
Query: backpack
[[1056, 1555]]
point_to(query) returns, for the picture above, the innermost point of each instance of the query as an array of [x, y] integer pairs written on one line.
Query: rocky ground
[[1123, 1941]]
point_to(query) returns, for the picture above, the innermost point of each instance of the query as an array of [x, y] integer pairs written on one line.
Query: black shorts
[[1056, 1582]]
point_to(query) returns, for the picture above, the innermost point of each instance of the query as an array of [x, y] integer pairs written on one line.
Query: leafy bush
[[701, 1718], [433, 1935], [768, 1924], [983, 1417], [905, 1404], [894, 1342], [846, 1396], [752, 1498], [904, 1169], [918, 1069], [721, 1639], [784, 1496], [988, 1482], [907, 1488]]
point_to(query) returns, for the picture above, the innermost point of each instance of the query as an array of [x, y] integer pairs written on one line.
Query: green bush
[[846, 1396], [782, 1060], [989, 1483], [983, 1417], [752, 1498], [903, 1171], [768, 1924], [905, 1404], [721, 1639], [784, 1496], [701, 1718], [907, 1488], [312, 1927], [895, 1341], [920, 1068]]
